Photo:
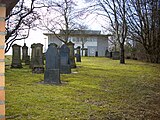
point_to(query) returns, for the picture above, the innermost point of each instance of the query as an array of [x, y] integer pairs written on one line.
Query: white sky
[[36, 36]]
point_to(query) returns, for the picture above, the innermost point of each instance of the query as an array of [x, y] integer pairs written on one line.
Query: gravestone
[[78, 54], [24, 52], [65, 67], [115, 55], [52, 72], [16, 56], [37, 60], [96, 54], [110, 55], [86, 52], [71, 54]]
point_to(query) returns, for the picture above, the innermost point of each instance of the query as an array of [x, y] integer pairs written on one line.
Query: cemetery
[[98, 88], [84, 73]]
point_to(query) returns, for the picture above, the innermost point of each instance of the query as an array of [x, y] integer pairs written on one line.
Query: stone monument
[[65, 67], [71, 55], [24, 52], [16, 56], [52, 73], [37, 61], [78, 54]]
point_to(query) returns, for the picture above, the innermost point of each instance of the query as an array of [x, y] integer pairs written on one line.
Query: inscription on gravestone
[[52, 73]]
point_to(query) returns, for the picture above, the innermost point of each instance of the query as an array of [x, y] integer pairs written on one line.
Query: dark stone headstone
[[78, 54], [71, 55], [96, 54], [110, 53], [37, 60], [115, 55], [24, 52], [86, 52], [16, 56], [52, 73], [65, 67]]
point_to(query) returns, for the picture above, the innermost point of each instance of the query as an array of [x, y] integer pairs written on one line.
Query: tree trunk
[[122, 57]]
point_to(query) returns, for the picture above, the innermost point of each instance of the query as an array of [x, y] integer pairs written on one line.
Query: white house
[[91, 41]]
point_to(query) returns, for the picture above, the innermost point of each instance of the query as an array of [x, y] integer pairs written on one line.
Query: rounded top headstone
[[53, 44]]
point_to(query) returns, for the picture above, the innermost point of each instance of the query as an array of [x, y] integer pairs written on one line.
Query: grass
[[99, 89]]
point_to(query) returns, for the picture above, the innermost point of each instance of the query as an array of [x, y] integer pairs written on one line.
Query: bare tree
[[116, 11], [144, 26], [60, 15], [19, 21]]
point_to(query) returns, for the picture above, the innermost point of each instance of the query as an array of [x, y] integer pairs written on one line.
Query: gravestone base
[[65, 69], [38, 70], [52, 76]]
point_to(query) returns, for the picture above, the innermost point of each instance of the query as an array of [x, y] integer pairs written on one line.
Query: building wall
[[54, 39], [93, 44], [102, 45], [2, 63]]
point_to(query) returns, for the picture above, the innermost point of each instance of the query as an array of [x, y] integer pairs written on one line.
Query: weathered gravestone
[[52, 73], [65, 67], [78, 54], [115, 55], [16, 56], [37, 60], [24, 52], [96, 54], [25, 56], [86, 52], [71, 55]]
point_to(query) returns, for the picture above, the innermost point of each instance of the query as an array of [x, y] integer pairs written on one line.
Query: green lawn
[[99, 89]]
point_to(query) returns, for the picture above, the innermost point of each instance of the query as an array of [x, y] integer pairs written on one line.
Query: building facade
[[90, 41]]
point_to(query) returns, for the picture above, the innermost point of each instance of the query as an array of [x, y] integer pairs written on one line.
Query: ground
[[98, 89]]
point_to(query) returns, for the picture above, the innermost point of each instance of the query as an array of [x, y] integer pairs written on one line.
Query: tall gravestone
[[65, 67], [71, 54], [25, 56], [86, 52], [24, 52], [37, 60], [16, 56], [52, 72], [78, 54], [96, 54]]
